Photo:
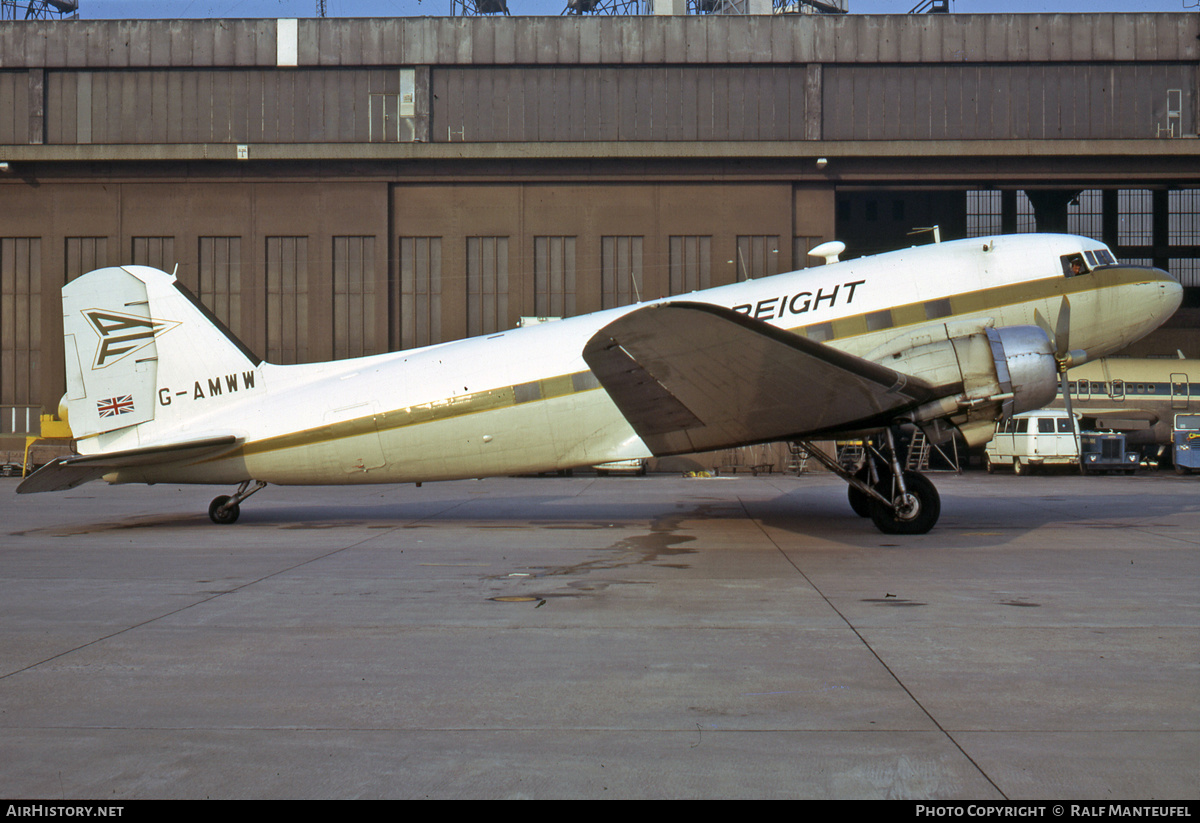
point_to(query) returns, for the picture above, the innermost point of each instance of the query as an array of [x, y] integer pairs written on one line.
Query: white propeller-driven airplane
[[948, 337]]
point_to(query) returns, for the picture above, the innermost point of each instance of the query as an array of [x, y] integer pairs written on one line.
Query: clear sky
[[101, 9]]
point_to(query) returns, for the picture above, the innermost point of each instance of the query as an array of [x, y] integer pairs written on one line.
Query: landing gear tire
[[860, 501], [915, 512], [223, 517]]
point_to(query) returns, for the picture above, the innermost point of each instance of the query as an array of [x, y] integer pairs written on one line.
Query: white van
[[1033, 439]]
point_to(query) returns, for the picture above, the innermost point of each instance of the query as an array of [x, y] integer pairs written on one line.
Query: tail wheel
[[914, 512], [223, 516]]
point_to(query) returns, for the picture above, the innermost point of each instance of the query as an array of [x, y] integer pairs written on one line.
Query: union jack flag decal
[[115, 405]]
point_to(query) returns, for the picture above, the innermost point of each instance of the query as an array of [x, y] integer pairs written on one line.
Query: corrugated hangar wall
[[340, 187]]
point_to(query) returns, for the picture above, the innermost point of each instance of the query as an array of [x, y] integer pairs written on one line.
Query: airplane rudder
[[109, 351]]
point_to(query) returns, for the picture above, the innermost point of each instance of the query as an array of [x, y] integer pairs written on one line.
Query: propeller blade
[[1062, 330], [1066, 395], [1060, 334], [1045, 326]]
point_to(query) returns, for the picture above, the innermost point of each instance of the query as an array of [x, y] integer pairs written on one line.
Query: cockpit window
[[1079, 263], [1073, 265]]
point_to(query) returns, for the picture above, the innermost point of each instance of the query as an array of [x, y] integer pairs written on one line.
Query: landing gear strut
[[898, 501], [224, 509]]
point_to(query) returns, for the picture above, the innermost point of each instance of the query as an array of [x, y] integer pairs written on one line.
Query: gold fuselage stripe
[[911, 314]]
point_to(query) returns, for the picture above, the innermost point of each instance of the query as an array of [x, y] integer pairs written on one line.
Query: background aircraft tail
[[136, 343]]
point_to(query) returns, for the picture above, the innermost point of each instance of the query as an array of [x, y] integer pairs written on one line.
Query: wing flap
[[695, 377], [68, 472]]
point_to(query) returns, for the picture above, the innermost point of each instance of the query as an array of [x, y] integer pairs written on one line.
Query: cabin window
[[1073, 265], [938, 308], [584, 380], [527, 392], [820, 332], [879, 320], [1105, 258]]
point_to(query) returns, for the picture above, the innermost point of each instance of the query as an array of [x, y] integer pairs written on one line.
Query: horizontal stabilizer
[[695, 377], [69, 472]]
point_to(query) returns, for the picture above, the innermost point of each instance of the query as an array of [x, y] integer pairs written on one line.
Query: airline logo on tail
[[122, 334]]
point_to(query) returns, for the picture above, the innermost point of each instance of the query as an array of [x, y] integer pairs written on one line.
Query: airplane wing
[[695, 377], [68, 472]]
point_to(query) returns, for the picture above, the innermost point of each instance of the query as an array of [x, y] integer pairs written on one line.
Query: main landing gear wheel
[[222, 512], [860, 501], [913, 512]]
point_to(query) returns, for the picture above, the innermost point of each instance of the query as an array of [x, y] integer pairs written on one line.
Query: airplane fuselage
[[524, 400], [1138, 396]]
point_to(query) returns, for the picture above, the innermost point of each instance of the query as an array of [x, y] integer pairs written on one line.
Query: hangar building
[[331, 188]]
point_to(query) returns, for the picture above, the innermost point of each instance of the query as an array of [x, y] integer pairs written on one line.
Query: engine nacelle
[[1025, 366], [986, 373]]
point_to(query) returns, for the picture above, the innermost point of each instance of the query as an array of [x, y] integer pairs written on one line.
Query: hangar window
[[984, 210], [691, 263], [487, 285], [620, 271], [1135, 217], [1185, 269], [419, 294], [1085, 213], [757, 255], [554, 276], [158, 252]]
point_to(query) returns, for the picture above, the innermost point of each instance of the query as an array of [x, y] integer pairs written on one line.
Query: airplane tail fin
[[134, 339]]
